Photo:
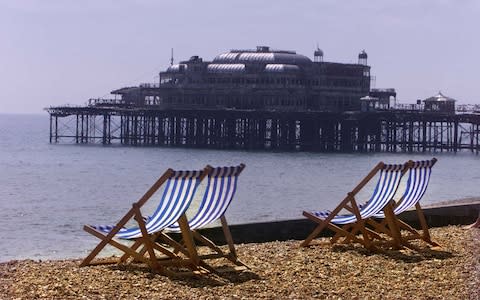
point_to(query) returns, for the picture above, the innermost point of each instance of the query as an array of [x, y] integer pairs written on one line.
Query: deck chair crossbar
[[180, 187], [387, 184]]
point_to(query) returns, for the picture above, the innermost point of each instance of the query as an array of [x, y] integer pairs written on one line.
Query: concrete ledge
[[445, 215], [299, 229]]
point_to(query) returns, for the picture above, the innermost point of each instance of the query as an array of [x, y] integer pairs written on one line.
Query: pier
[[393, 130], [267, 99]]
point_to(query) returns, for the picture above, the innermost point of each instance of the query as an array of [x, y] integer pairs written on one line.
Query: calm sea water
[[49, 191]]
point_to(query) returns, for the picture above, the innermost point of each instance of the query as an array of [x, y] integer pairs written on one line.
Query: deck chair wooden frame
[[346, 227], [389, 223], [220, 191], [180, 189]]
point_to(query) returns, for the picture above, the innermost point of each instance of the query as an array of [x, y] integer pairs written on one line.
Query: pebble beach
[[279, 270]]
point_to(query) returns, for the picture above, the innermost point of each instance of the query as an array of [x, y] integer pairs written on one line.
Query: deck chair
[[345, 226], [180, 187], [219, 192], [417, 183]]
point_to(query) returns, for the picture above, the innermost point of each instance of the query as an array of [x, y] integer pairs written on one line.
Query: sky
[[57, 52]]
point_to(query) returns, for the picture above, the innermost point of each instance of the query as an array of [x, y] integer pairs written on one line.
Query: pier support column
[[51, 129]]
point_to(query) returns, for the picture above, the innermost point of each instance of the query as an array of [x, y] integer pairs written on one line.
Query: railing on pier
[[413, 108], [459, 108], [468, 108], [150, 85], [104, 102], [408, 107]]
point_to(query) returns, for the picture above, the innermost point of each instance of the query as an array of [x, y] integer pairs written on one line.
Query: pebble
[[279, 270]]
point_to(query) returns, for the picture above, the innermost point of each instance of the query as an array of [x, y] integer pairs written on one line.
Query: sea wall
[[453, 214]]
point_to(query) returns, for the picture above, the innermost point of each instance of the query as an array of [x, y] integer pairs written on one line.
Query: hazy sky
[[64, 52]]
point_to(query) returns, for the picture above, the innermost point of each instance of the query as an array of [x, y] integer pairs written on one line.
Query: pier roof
[[262, 55], [439, 98]]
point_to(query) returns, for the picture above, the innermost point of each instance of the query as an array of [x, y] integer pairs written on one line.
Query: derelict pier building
[[260, 79]]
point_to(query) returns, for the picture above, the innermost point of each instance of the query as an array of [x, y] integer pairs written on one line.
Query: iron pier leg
[[56, 129], [51, 123]]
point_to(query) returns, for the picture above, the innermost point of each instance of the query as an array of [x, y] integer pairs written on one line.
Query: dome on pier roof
[[177, 68], [363, 54], [261, 55], [280, 68], [226, 68], [440, 98]]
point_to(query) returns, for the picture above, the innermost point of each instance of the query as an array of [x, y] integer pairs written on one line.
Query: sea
[[49, 191]]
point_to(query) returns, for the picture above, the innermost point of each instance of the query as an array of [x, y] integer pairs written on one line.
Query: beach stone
[[278, 270]]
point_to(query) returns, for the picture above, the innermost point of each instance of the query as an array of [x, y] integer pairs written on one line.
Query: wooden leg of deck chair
[[354, 231], [136, 245], [105, 239], [405, 226], [347, 227], [372, 234], [181, 248], [423, 223], [351, 229], [322, 225], [379, 225], [348, 235], [338, 235], [139, 242], [177, 246], [313, 235], [360, 224], [146, 238], [205, 241], [392, 224], [117, 245], [415, 235], [346, 238], [228, 236], [170, 258], [232, 256], [188, 239], [359, 227], [219, 254], [383, 227]]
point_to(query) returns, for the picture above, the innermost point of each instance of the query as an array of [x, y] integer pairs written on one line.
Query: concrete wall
[[299, 229]]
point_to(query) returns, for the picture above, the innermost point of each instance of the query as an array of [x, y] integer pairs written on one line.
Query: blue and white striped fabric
[[221, 187], [387, 184], [177, 196], [418, 179]]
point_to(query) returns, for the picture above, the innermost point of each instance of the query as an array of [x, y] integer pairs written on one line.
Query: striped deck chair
[[180, 187], [347, 225], [219, 192], [417, 183]]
